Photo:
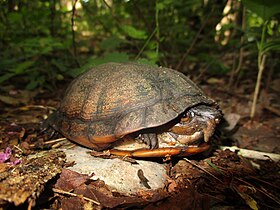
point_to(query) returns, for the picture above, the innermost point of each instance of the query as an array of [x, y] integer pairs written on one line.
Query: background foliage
[[42, 42]]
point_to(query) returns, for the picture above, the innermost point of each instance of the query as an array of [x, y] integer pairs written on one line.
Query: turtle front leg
[[150, 139]]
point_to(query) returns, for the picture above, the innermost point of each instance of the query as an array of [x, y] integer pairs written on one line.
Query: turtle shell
[[115, 99]]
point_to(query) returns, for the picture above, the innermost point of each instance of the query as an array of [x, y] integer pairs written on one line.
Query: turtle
[[114, 101]]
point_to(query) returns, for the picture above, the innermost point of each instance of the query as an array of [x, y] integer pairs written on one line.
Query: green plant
[[266, 43], [34, 44], [45, 41]]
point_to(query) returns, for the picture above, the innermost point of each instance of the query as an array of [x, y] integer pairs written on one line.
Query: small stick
[[30, 204], [54, 141], [51, 141], [74, 195], [269, 195], [27, 107], [253, 154], [203, 170]]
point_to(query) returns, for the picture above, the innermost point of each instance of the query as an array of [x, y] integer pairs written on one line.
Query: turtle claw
[[150, 139]]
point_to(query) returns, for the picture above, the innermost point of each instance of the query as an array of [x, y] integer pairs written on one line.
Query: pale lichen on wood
[[26, 181]]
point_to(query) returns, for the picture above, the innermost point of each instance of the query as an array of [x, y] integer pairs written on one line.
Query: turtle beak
[[209, 129]]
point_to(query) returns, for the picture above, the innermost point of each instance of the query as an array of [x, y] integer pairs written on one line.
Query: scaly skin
[[198, 123]]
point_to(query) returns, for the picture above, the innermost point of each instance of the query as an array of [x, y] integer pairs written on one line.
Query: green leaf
[[160, 6], [36, 81], [110, 43], [110, 57], [15, 17], [5, 77], [163, 4], [116, 57], [147, 62], [133, 32], [40, 45], [59, 64], [272, 45], [214, 166], [151, 54], [249, 200], [263, 8], [32, 85], [21, 67]]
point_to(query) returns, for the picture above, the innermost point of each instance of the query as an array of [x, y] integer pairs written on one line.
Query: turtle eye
[[189, 114], [188, 117], [140, 137], [185, 114]]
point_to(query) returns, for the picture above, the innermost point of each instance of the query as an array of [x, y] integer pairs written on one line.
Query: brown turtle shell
[[115, 99]]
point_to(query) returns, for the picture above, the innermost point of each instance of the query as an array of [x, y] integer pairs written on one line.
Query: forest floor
[[35, 174]]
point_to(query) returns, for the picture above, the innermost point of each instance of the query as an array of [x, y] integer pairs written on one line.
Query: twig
[[261, 65], [50, 142], [272, 109], [157, 27], [73, 32], [194, 41], [28, 107], [30, 204], [107, 5], [267, 183], [253, 154], [241, 49], [118, 21], [146, 43], [52, 17], [186, 159], [269, 195], [75, 195], [55, 140]]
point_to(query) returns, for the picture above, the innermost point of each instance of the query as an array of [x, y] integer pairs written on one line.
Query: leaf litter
[[34, 170]]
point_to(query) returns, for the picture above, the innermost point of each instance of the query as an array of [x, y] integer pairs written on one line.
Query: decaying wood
[[253, 154], [26, 181]]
